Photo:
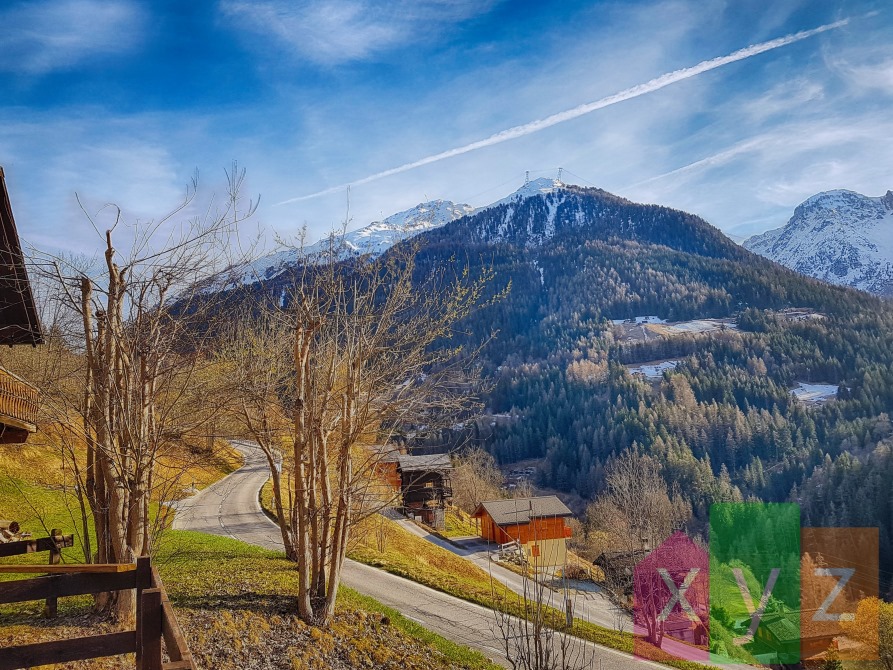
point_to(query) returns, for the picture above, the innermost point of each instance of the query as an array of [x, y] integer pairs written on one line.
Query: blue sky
[[119, 100]]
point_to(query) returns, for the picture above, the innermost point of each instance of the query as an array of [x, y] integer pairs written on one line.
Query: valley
[[606, 332], [446, 335]]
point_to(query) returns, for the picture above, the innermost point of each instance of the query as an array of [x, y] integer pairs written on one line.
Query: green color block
[[755, 582]]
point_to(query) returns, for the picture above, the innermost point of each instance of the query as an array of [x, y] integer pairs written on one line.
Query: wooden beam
[[60, 586], [32, 546], [174, 640], [66, 651], [91, 568], [52, 605]]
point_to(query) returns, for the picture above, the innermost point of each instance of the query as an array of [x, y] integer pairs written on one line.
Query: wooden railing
[[52, 544], [19, 402], [156, 625]]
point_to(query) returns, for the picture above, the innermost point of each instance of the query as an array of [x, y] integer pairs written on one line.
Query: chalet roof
[[522, 510], [435, 462], [385, 453], [18, 315], [791, 626], [785, 627], [811, 629]]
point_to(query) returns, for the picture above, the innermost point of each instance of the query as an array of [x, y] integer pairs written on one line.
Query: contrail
[[633, 92]]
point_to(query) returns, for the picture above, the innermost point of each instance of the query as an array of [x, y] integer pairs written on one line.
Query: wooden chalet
[[425, 486], [384, 464], [18, 325], [791, 635], [681, 627], [537, 525]]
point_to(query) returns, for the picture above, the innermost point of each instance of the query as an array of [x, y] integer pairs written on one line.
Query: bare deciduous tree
[[637, 506], [144, 328], [347, 355], [475, 478], [542, 639]]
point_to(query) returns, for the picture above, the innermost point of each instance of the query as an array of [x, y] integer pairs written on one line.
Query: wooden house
[[536, 524], [795, 635], [425, 486], [384, 464], [18, 325]]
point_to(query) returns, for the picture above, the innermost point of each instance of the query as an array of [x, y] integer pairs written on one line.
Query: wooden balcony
[[19, 403]]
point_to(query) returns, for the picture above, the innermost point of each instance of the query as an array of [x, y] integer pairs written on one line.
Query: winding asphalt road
[[230, 507]]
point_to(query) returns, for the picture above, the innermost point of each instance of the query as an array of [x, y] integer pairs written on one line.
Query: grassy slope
[[205, 573], [228, 596], [412, 557], [459, 524], [384, 544]]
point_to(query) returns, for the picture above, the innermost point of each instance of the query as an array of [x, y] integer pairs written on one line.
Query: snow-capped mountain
[[530, 217], [541, 186], [841, 237], [374, 239], [379, 236]]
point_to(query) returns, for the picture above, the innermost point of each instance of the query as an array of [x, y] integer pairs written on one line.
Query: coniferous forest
[[723, 424]]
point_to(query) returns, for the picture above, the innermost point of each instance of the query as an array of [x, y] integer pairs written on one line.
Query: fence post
[[143, 581], [148, 630], [52, 604]]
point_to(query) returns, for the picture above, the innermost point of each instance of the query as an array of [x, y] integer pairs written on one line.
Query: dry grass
[[234, 601], [459, 524]]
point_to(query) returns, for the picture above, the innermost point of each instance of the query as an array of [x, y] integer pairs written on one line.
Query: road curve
[[230, 507]]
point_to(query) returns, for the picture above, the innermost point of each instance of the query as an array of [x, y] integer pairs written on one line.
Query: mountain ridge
[[839, 236]]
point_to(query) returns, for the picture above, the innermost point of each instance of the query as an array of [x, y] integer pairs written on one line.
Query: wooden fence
[[52, 544], [156, 625]]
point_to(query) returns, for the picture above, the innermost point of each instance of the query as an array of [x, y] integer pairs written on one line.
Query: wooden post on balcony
[[52, 604]]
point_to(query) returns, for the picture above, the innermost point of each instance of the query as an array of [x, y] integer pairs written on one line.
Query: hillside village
[[214, 556], [446, 334]]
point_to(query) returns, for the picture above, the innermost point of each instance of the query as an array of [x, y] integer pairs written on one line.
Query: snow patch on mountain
[[374, 239], [841, 237], [541, 186]]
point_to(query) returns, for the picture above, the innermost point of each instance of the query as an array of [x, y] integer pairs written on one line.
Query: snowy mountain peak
[[541, 186], [388, 231], [841, 237], [379, 236], [374, 239]]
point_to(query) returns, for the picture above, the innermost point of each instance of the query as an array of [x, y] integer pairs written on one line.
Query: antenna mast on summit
[[526, 177], [560, 170]]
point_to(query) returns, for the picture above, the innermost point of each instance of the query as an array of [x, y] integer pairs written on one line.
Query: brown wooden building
[[536, 524], [424, 484], [18, 325]]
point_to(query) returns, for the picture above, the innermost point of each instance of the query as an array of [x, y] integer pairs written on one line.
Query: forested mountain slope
[[724, 422], [721, 417]]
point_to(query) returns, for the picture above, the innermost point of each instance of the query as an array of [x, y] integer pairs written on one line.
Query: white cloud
[[877, 76], [331, 32], [103, 159], [630, 93], [39, 37]]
